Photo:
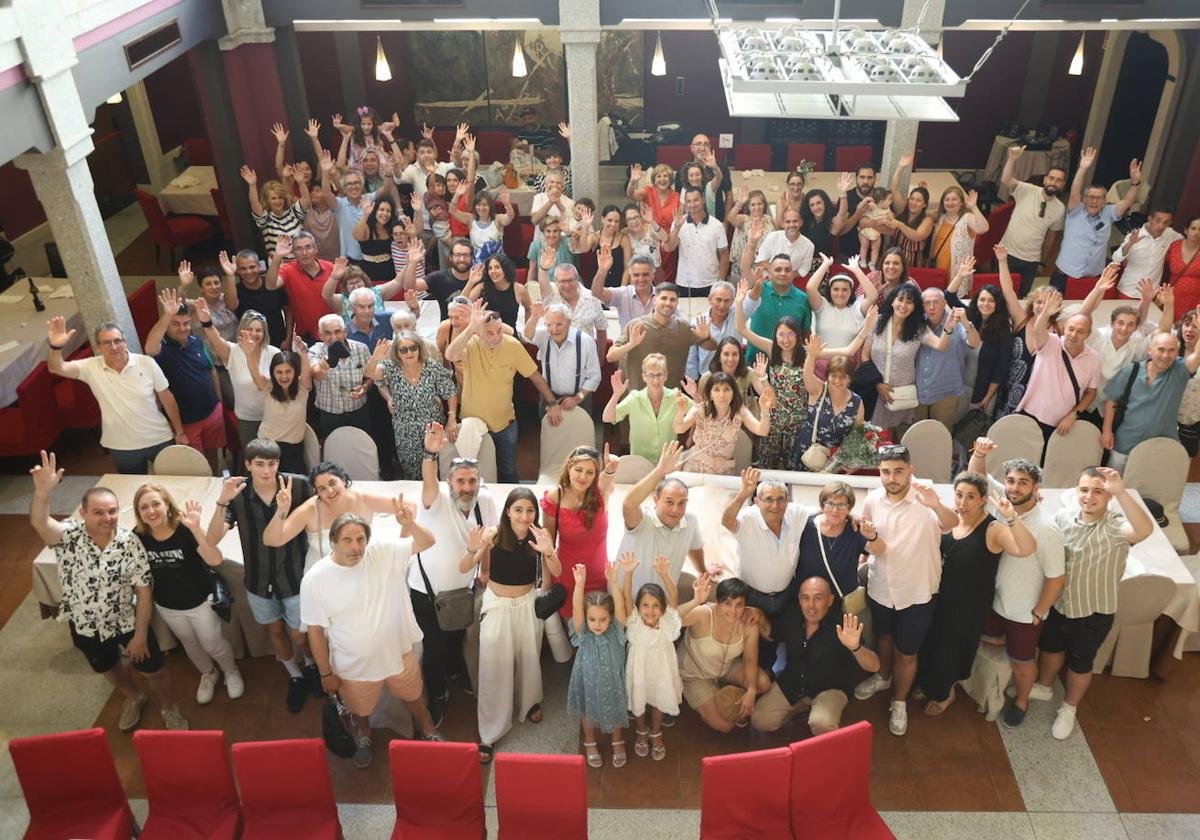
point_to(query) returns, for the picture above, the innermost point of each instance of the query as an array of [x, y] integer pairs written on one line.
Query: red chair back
[[849, 158], [753, 156], [444, 137], [929, 278], [673, 156], [71, 786], [198, 151], [518, 236], [286, 790], [814, 153], [143, 308], [34, 423], [526, 812], [981, 280], [189, 785], [830, 788], [155, 218], [77, 406], [1079, 287], [985, 242], [494, 145], [437, 787], [222, 214], [745, 794], [522, 276]]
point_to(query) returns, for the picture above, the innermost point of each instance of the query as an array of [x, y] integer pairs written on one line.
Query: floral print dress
[[416, 406], [831, 428], [903, 371], [713, 443], [791, 409]]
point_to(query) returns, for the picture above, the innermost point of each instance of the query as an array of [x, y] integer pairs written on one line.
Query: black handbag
[[221, 599], [335, 727], [550, 601]]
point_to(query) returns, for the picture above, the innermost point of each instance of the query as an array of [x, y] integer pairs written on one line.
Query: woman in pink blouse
[[576, 517]]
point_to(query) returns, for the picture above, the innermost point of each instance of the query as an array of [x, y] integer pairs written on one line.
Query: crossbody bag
[[454, 608], [904, 397]]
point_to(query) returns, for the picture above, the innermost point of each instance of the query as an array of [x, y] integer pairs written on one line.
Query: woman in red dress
[[661, 200], [576, 517], [1183, 268]]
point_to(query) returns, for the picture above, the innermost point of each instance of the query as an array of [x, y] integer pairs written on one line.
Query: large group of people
[[794, 351]]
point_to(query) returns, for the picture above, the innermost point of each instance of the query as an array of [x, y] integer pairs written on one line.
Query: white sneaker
[[234, 684], [1038, 692], [208, 684], [174, 719], [872, 684], [898, 718], [1064, 722]]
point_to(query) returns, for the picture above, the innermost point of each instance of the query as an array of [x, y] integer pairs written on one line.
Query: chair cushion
[[207, 826], [111, 825], [188, 229]]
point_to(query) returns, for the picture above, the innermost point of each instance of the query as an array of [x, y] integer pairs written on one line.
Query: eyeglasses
[[835, 505], [111, 342], [894, 450], [654, 376], [1042, 211], [773, 500], [408, 348], [464, 462]]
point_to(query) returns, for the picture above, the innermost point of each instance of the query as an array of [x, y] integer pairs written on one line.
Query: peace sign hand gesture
[[283, 496]]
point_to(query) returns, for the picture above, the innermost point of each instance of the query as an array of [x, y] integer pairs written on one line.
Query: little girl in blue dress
[[597, 688]]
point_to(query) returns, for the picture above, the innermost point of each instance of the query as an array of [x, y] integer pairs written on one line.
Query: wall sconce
[[1076, 68], [518, 68], [115, 99], [383, 73], [658, 65]]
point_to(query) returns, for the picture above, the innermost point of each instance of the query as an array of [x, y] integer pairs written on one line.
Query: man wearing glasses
[[1037, 215], [130, 388], [903, 575]]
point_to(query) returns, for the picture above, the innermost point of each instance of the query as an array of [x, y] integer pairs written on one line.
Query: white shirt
[[837, 327], [1144, 259], [699, 244], [364, 609], [801, 251], [910, 572], [450, 530], [768, 562], [651, 538], [1019, 579], [588, 312], [557, 362], [1112, 359], [129, 415], [418, 178], [540, 200], [247, 399]]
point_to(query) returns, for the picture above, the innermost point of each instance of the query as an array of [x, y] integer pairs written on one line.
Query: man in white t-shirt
[[360, 621], [703, 246], [552, 202], [788, 240], [1036, 221], [1143, 252]]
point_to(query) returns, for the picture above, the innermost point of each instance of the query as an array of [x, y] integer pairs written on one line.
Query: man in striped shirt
[[1096, 541]]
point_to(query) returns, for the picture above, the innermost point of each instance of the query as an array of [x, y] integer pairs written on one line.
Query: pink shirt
[[910, 571], [1050, 396]]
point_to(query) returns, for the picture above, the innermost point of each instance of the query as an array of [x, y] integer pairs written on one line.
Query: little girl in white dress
[[651, 664]]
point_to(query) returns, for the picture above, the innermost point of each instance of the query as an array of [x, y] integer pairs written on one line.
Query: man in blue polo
[[190, 375], [941, 375]]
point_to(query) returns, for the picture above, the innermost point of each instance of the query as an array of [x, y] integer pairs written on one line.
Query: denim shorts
[[270, 610]]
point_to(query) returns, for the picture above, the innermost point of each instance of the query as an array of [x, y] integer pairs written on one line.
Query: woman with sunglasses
[[418, 391], [576, 512]]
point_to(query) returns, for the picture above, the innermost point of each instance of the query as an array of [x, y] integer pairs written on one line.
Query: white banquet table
[[190, 192], [23, 330]]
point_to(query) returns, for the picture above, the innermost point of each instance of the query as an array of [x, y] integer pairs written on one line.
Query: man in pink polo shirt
[[903, 575], [1066, 371]]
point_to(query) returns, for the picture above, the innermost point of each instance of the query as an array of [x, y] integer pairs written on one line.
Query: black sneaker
[[463, 681], [1013, 716], [312, 679], [437, 708], [296, 694], [669, 720]]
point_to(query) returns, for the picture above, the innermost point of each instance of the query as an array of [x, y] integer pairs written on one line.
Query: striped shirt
[[270, 572], [400, 262], [1095, 562], [273, 226], [333, 392]]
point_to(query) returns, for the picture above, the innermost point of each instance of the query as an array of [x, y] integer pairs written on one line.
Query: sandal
[[658, 751], [534, 715], [593, 754], [486, 752], [641, 747], [619, 758], [934, 708]]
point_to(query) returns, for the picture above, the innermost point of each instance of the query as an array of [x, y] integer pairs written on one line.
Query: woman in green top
[[651, 410]]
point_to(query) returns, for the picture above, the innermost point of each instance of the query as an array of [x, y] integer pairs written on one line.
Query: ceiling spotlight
[[115, 99], [383, 73], [658, 65], [518, 66], [1076, 68]]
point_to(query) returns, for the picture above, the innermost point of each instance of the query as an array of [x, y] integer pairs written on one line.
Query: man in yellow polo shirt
[[490, 360]]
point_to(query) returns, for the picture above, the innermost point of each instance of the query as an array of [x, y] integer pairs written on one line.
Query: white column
[[159, 168], [901, 135], [579, 21]]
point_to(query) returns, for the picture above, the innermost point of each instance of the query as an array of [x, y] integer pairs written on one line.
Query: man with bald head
[[1155, 389], [701, 149], [1066, 371], [825, 656]]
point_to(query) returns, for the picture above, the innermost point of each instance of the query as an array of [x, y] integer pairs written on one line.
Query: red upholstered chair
[[77, 406], [1079, 287], [444, 137], [287, 792], [71, 787], [831, 787], [171, 232], [814, 153], [849, 158], [586, 263], [189, 785], [143, 306], [522, 276], [753, 156], [997, 224], [493, 146], [929, 278], [438, 791], [746, 795], [198, 151], [981, 280], [518, 236], [673, 156], [34, 423], [524, 809]]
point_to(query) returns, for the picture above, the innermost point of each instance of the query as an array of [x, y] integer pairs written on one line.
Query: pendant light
[[518, 68], [383, 73], [658, 65], [1076, 68]]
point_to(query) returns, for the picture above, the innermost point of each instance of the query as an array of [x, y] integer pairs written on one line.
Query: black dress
[[995, 359], [963, 603], [504, 302], [613, 279]]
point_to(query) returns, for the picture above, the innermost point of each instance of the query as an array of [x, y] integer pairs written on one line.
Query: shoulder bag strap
[[825, 559], [1123, 403], [887, 362], [817, 415], [578, 357], [1071, 373]]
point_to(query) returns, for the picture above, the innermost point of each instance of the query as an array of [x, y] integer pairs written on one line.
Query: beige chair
[[486, 459], [1117, 191], [743, 451], [1015, 436], [312, 447], [931, 449], [1189, 641], [1067, 455], [355, 451], [631, 469], [1140, 601], [1157, 468], [576, 429], [181, 460]]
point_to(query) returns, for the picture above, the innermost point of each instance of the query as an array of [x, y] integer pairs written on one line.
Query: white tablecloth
[[1030, 163], [21, 323], [190, 192]]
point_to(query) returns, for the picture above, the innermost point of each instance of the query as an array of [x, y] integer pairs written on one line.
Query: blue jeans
[[506, 453], [137, 461]]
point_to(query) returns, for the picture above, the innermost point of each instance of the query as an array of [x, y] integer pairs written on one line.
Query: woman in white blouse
[[251, 352], [837, 315]]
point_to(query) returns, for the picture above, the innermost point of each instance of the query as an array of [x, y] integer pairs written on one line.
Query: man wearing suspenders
[[569, 361]]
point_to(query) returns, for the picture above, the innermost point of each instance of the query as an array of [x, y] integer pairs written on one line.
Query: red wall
[[322, 84], [174, 103]]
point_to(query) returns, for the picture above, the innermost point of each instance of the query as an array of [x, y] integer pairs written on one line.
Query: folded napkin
[[61, 293], [12, 298], [184, 181]]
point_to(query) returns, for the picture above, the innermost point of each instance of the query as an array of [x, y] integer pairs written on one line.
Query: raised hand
[[283, 496], [536, 311], [702, 588], [845, 182], [690, 388], [750, 479], [604, 258], [702, 329], [230, 488], [202, 310], [325, 161], [190, 515], [427, 131], [542, 543], [1001, 503], [313, 130], [760, 366], [971, 200], [186, 275], [383, 347], [812, 347], [288, 170], [1135, 170], [1113, 482], [1088, 158], [248, 175], [926, 495], [579, 572], [434, 437], [758, 229], [228, 266], [906, 160], [610, 573], [1145, 288], [477, 538], [283, 247], [1000, 251], [460, 131], [668, 461], [1108, 277], [405, 512], [983, 446], [564, 130], [609, 460], [547, 259], [849, 632], [662, 567], [168, 299], [475, 275], [766, 400], [871, 317], [637, 333], [1015, 151], [1166, 295], [681, 401], [47, 475], [619, 384], [280, 133]]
